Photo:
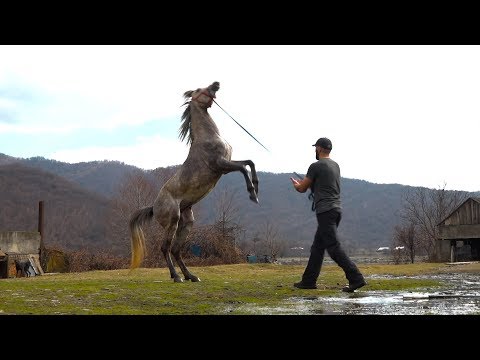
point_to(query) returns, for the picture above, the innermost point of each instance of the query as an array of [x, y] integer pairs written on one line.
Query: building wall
[[22, 242], [461, 225], [443, 250]]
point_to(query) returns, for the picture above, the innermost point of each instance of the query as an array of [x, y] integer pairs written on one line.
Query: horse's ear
[[188, 94]]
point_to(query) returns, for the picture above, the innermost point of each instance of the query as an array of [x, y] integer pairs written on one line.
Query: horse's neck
[[203, 126]]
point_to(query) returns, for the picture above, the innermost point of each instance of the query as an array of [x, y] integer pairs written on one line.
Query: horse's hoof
[[193, 278], [254, 198], [177, 279]]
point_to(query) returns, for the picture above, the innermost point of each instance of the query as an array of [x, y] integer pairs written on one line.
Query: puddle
[[459, 295]]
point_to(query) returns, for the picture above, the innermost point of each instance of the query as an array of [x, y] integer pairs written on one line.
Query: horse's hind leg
[[170, 224], [184, 227], [229, 166]]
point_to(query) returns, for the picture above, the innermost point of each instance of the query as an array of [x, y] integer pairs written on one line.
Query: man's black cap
[[324, 143]]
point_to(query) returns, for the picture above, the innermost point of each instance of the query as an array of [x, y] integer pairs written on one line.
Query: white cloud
[[147, 153]]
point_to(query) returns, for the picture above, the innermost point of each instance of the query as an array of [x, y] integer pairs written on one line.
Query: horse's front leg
[[227, 166], [184, 227], [253, 171]]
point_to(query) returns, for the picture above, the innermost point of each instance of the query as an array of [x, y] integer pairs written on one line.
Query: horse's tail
[[138, 238]]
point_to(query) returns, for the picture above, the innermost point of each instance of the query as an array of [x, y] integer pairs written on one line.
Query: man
[[323, 177]]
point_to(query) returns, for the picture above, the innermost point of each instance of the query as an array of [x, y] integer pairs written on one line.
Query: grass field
[[227, 289]]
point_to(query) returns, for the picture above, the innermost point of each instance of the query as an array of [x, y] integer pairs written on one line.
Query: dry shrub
[[153, 241], [215, 249], [84, 260]]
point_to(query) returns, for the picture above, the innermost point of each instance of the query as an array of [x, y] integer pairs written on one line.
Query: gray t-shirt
[[325, 176]]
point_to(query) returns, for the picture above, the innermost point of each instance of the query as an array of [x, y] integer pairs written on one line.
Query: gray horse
[[208, 159]]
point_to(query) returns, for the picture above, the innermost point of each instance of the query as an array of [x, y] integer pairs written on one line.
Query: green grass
[[225, 289]]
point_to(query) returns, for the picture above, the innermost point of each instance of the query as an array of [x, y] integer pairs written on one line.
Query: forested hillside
[[102, 177], [73, 216], [369, 210], [77, 202]]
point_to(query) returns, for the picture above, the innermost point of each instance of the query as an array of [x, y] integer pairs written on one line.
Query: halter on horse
[[208, 159]]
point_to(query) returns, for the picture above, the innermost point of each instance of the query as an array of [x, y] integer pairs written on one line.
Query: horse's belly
[[194, 195], [191, 187]]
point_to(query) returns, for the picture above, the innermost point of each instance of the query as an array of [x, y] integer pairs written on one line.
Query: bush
[[83, 260], [215, 249]]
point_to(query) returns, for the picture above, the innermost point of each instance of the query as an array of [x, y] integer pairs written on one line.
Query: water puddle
[[458, 295]]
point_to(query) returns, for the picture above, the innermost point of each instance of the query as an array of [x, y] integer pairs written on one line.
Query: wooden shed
[[459, 233]]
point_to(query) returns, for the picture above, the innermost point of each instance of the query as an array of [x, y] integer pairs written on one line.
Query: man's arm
[[301, 185]]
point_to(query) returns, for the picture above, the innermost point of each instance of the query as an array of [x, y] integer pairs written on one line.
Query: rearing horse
[[208, 159]]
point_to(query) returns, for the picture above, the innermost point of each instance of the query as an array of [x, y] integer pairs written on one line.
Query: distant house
[[459, 233]]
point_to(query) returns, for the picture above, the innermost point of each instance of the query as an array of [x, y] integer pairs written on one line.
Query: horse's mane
[[186, 127]]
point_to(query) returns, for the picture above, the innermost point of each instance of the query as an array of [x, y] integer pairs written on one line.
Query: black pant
[[326, 239]]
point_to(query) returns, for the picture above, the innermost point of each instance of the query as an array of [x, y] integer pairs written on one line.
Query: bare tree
[[425, 208], [226, 223], [138, 190], [271, 239], [256, 240], [213, 247], [217, 242], [404, 240]]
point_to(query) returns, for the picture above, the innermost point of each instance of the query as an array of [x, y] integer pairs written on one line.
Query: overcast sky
[[395, 114]]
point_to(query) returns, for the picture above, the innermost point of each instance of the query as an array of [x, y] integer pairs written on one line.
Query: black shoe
[[302, 285], [354, 286]]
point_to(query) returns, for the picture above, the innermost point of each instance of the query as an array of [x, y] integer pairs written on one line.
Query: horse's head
[[204, 96], [203, 99]]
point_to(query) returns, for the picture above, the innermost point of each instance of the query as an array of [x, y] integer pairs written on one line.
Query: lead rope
[[240, 125], [312, 197]]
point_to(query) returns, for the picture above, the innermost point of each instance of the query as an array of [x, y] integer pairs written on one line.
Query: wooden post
[[453, 250], [40, 229]]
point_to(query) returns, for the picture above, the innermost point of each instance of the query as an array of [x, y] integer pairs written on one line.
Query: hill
[[102, 177], [79, 192], [73, 216], [369, 210]]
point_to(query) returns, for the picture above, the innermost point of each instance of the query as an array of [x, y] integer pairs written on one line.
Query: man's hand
[[301, 185]]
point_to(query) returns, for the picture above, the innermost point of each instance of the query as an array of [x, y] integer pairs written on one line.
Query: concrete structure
[[19, 245], [459, 233], [26, 242]]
